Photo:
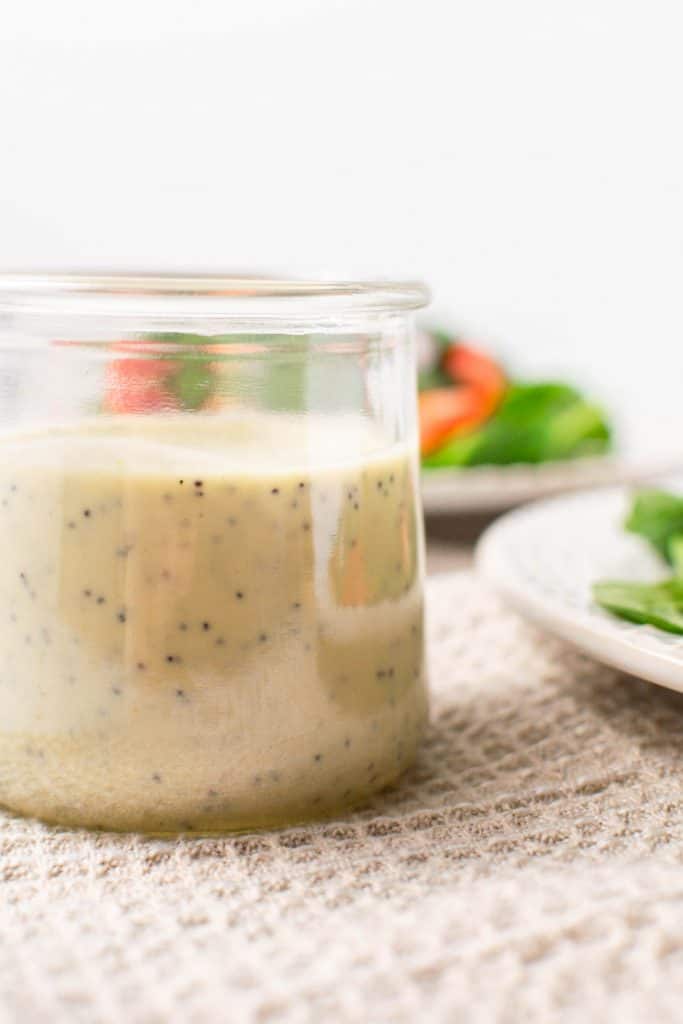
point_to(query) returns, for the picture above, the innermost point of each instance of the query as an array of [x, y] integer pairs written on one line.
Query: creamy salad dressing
[[206, 624]]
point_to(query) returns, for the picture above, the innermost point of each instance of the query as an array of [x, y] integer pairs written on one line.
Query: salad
[[658, 517], [473, 413]]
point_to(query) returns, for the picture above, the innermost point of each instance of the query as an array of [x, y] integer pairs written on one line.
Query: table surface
[[527, 868]]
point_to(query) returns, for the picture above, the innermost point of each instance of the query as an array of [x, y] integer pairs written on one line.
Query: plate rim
[[597, 637], [450, 490]]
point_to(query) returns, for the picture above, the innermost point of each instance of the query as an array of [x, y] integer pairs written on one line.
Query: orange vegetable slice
[[446, 411], [470, 367]]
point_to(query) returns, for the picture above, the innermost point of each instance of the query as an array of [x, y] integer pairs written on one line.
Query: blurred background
[[525, 159]]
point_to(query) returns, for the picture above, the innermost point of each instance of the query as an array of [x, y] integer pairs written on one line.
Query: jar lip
[[223, 292]]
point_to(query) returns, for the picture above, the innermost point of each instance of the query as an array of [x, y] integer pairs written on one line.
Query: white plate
[[544, 558], [490, 489]]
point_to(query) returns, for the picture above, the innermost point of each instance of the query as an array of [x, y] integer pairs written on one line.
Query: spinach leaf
[[676, 554], [658, 517], [655, 604], [579, 429]]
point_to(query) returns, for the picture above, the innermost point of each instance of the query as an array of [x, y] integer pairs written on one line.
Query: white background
[[525, 158]]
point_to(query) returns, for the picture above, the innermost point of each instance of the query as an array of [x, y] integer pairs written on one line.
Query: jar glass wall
[[212, 565]]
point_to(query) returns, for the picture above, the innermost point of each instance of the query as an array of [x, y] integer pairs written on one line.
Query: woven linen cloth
[[528, 869]]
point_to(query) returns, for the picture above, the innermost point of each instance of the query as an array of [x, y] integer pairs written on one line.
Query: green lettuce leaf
[[654, 604]]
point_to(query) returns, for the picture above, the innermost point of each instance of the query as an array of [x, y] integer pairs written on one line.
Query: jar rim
[[224, 293]]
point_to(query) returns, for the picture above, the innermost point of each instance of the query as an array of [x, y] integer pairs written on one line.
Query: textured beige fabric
[[528, 870]]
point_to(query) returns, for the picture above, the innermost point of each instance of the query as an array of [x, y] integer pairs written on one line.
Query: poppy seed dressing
[[272, 630]]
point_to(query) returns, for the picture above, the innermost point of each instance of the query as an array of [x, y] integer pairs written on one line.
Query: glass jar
[[212, 556]]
